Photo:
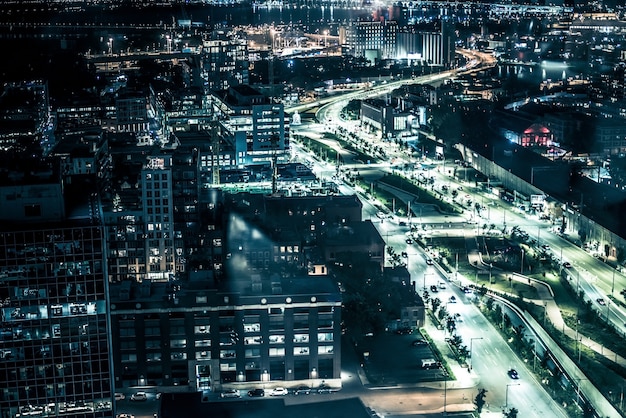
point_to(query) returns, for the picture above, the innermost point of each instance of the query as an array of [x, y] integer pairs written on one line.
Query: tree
[[511, 413], [479, 400], [443, 312], [435, 303]]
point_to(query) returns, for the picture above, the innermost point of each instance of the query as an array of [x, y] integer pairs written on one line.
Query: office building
[[55, 342]]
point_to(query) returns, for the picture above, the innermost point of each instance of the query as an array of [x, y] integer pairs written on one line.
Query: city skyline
[[262, 196]]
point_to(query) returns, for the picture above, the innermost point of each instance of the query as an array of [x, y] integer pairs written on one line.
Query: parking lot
[[393, 359]]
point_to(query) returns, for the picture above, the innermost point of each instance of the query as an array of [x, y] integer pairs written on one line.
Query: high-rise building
[[140, 224], [224, 60], [245, 113], [55, 337]]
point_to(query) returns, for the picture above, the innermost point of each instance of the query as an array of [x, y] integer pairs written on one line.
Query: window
[[202, 329], [251, 327], [277, 352], [178, 343], [301, 338], [129, 358], [253, 352], [252, 340], [300, 351], [203, 343], [325, 336], [325, 349]]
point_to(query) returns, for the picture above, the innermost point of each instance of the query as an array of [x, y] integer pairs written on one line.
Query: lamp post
[[613, 283], [577, 383], [506, 395], [522, 265], [445, 392], [471, 346]]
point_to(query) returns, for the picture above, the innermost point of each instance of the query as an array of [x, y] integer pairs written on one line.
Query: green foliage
[[479, 400], [511, 413]]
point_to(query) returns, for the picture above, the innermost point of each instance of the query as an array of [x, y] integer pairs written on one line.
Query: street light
[[471, 346], [506, 395], [577, 382], [445, 391]]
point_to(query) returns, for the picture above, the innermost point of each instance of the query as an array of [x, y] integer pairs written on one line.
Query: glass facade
[[54, 357]]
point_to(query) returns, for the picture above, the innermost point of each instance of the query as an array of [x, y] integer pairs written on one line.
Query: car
[[545, 246], [452, 299], [139, 396], [513, 374], [119, 396], [442, 285], [124, 416], [279, 391], [404, 331], [429, 261], [601, 301], [418, 342], [302, 390], [409, 241], [324, 388], [434, 289], [158, 395], [467, 290], [404, 254], [567, 265], [230, 393], [256, 393]]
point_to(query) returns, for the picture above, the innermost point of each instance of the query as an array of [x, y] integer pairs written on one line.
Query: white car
[[139, 396], [119, 396], [279, 392], [231, 393]]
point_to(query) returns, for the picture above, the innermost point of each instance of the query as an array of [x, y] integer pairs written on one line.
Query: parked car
[[452, 299], [231, 393], [567, 264], [434, 289], [418, 342], [429, 261], [302, 390], [404, 331], [256, 393], [279, 391], [601, 301], [139, 396], [323, 388], [119, 396]]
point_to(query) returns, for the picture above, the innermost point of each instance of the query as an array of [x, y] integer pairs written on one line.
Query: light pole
[[471, 346], [506, 395], [445, 392], [577, 382], [613, 283], [522, 266]]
